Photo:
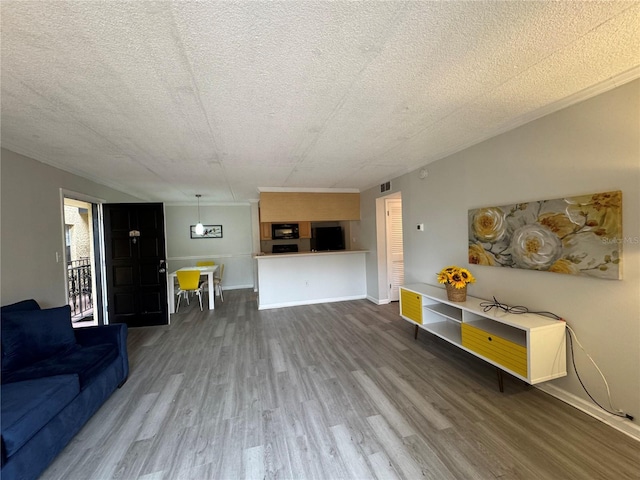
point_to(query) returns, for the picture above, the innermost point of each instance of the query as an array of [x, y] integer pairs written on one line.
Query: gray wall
[[234, 249], [593, 146], [32, 230]]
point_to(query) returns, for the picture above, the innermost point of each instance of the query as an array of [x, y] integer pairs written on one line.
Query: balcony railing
[[80, 288]]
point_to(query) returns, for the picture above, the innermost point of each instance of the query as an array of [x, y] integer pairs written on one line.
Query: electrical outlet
[[420, 227]]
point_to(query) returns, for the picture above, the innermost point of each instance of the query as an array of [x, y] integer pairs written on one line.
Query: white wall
[[234, 249], [32, 230], [593, 146], [288, 280]]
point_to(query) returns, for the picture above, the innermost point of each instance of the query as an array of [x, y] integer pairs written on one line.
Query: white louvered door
[[395, 255]]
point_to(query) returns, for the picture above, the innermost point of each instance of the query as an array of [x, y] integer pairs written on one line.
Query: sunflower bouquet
[[455, 276]]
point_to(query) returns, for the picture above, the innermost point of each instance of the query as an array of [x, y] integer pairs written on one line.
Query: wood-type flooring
[[328, 391]]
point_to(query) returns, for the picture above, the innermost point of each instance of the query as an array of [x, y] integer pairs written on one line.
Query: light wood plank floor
[[328, 391]]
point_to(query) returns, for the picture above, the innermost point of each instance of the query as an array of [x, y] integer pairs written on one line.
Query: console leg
[[500, 380], [415, 335]]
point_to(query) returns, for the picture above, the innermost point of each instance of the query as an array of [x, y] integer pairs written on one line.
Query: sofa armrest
[[87, 336], [115, 334]]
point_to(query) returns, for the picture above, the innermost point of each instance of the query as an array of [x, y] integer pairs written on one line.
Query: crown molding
[[307, 190]]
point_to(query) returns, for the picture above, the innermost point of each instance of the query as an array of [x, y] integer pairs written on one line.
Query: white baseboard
[[624, 425], [238, 287], [308, 302], [377, 301]]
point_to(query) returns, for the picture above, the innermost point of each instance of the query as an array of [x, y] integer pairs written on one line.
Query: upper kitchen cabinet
[[265, 231], [310, 206], [304, 229]]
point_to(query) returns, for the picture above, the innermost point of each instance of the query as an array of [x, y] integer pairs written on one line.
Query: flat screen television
[[327, 238]]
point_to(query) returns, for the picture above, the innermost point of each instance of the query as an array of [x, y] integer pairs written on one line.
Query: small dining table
[[209, 270]]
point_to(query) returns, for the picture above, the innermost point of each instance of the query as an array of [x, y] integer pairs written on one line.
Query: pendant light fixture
[[199, 226]]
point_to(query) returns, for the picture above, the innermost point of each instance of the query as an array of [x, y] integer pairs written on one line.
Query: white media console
[[528, 346]]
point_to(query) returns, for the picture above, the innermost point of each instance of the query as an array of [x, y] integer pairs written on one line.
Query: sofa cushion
[[86, 362], [28, 406], [24, 305], [33, 335]]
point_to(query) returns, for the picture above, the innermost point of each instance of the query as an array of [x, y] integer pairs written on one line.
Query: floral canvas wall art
[[579, 235]]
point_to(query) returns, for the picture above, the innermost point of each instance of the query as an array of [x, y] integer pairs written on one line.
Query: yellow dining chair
[[189, 281]]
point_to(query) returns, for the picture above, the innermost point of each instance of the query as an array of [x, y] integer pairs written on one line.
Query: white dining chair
[[217, 283]]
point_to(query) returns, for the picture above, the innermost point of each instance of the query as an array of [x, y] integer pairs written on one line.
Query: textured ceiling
[[169, 99]]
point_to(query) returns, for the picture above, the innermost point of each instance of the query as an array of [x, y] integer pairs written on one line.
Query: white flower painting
[[574, 235]]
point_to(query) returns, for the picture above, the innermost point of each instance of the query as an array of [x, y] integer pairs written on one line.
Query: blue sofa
[[54, 378]]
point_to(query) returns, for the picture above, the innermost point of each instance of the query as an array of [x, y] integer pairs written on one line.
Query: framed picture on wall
[[210, 231]]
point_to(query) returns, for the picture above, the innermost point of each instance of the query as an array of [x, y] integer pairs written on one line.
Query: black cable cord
[[486, 306], [575, 368], [518, 309]]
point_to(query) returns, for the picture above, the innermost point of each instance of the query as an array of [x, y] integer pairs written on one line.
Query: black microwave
[[284, 231]]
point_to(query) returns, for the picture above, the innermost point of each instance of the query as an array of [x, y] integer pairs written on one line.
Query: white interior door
[[395, 252]]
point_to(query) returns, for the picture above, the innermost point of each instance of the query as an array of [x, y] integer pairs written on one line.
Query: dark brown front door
[[135, 261]]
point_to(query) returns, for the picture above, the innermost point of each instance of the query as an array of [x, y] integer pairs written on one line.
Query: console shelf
[[528, 346], [446, 311]]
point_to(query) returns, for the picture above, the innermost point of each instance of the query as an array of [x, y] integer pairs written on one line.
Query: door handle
[[162, 268]]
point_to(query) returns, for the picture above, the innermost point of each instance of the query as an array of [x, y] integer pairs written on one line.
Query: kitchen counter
[[298, 254], [304, 278]]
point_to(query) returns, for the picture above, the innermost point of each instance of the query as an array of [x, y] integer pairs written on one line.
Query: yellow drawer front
[[504, 352], [411, 305]]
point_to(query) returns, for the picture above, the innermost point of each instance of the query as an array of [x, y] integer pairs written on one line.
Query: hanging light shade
[[199, 226]]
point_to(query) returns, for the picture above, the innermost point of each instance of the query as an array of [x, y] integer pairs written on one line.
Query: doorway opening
[[80, 258], [395, 248], [390, 247]]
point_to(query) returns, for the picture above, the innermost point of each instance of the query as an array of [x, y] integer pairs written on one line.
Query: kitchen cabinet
[[265, 231], [304, 229], [285, 207]]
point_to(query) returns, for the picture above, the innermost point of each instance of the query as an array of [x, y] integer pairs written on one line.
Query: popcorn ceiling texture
[[168, 99]]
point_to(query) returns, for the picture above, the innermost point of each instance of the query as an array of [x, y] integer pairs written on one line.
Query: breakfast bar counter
[[304, 278]]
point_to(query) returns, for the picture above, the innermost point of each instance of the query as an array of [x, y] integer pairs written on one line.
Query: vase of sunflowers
[[455, 280]]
